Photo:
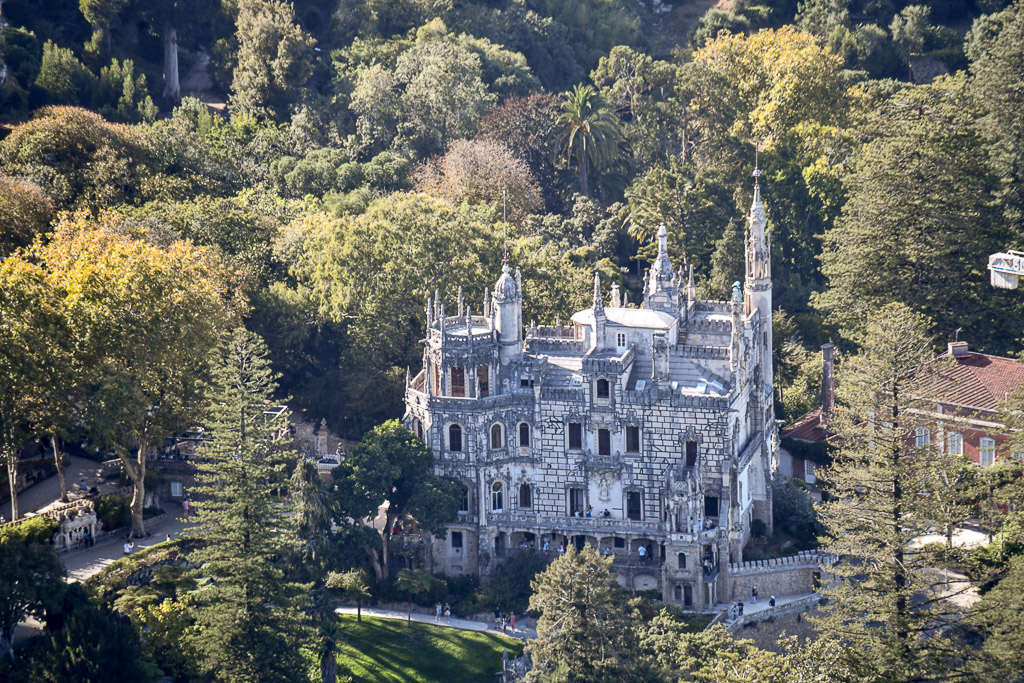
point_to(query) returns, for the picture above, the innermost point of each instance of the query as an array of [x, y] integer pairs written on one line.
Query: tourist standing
[[739, 608], [642, 552], [185, 506], [447, 613], [437, 613], [753, 595]]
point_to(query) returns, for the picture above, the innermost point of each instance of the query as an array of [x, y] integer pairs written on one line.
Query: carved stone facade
[[643, 427]]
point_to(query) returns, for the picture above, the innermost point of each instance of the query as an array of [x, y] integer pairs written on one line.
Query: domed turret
[[508, 319]]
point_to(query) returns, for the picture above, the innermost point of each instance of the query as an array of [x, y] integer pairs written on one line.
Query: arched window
[[497, 497], [524, 434], [495, 436], [419, 428], [603, 388], [525, 496], [455, 438]]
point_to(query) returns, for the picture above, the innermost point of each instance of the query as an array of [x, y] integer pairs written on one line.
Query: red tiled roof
[[807, 428], [980, 381]]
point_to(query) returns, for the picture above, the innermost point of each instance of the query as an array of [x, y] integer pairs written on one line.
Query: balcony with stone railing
[[599, 527]]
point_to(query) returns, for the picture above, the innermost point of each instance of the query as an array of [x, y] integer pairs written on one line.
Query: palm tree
[[413, 582], [590, 129]]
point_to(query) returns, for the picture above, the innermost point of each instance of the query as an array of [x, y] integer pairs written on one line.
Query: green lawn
[[389, 650]]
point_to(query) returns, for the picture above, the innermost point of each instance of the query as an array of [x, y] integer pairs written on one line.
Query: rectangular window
[[619, 542], [687, 595], [621, 340], [176, 489], [456, 539], [632, 439], [987, 452], [524, 382], [484, 379], [922, 437], [691, 453], [682, 560], [604, 442], [575, 501], [634, 508], [458, 382], [710, 506], [464, 505], [575, 436], [955, 444]]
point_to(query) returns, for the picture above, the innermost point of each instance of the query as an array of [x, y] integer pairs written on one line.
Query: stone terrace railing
[[799, 605], [803, 559]]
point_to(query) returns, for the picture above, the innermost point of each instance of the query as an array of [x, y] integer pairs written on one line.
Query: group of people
[[446, 611], [504, 621], [696, 525], [737, 606], [589, 512], [85, 540]]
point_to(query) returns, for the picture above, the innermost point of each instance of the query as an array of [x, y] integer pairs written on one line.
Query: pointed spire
[[616, 298], [460, 302], [408, 376], [487, 302], [437, 304], [662, 242], [691, 288], [430, 318], [598, 305]]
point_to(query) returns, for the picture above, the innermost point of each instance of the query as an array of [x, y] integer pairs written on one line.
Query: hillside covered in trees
[[340, 160]]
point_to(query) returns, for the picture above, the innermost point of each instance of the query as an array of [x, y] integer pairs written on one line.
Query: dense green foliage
[[361, 155]]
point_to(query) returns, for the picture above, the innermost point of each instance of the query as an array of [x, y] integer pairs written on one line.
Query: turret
[[508, 314], [661, 292], [597, 341]]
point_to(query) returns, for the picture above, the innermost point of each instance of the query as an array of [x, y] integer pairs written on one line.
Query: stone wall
[[781, 576]]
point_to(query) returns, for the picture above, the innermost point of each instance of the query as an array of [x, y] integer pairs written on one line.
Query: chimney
[[828, 399], [957, 348]]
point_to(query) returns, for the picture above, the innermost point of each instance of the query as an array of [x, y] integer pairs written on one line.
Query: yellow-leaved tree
[[143, 320], [777, 79]]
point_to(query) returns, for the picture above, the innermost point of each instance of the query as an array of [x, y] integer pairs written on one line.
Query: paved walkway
[[81, 564], [760, 606], [47, 492], [464, 624]]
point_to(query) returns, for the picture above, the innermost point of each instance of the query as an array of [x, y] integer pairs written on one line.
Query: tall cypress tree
[[889, 601], [250, 619]]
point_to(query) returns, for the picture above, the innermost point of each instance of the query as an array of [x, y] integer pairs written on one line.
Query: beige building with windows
[[647, 432]]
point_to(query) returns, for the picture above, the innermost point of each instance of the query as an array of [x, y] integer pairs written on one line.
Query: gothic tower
[[757, 287], [508, 315]]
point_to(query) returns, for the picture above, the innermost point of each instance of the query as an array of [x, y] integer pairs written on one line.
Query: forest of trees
[[184, 183], [352, 126]]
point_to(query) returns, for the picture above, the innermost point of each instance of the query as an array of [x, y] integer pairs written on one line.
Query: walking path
[[464, 624], [46, 493], [81, 564], [760, 606]]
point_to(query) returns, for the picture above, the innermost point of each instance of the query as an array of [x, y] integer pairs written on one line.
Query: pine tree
[[584, 633], [249, 618], [886, 601]]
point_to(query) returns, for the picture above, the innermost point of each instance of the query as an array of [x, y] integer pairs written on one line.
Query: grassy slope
[[389, 650]]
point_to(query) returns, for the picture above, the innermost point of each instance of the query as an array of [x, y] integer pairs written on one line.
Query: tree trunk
[[59, 461], [359, 611], [12, 481], [172, 87], [137, 473], [581, 161], [329, 668]]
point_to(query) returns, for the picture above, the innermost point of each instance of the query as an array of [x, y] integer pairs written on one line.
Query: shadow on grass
[[379, 650]]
